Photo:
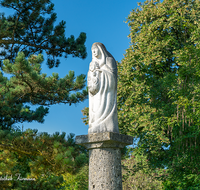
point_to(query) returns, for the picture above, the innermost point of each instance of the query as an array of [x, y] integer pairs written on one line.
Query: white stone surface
[[102, 86]]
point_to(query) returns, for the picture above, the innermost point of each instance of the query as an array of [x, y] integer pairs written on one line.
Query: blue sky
[[102, 21]]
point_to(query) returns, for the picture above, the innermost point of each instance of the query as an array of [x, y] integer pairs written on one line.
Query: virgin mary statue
[[102, 87]]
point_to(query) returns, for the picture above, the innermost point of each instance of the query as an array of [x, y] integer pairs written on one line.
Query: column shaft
[[105, 169]]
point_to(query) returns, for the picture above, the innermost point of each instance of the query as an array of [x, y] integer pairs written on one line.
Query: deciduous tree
[[158, 88]]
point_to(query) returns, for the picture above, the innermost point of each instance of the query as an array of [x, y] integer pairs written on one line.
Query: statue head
[[99, 51]]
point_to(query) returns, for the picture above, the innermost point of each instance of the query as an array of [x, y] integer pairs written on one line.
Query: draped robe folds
[[103, 104]]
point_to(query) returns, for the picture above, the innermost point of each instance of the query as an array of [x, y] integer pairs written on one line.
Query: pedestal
[[104, 158]]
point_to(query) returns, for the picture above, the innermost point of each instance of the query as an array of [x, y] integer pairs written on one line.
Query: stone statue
[[102, 87]]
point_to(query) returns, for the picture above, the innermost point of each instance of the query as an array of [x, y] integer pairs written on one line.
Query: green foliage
[[77, 181], [85, 112], [46, 182], [158, 88], [43, 157], [7, 162], [23, 37], [137, 174], [29, 85], [31, 30]]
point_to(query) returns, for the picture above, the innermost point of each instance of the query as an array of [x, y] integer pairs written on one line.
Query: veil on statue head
[[103, 48]]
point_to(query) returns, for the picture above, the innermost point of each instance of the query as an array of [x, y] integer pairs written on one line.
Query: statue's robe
[[103, 103]]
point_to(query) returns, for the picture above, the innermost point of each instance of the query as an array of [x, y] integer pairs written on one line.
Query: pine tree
[[23, 37], [29, 85], [40, 157], [31, 30]]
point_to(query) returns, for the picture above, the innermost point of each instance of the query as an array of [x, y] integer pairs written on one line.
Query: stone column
[[104, 158]]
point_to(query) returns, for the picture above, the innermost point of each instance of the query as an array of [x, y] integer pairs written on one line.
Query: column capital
[[104, 140]]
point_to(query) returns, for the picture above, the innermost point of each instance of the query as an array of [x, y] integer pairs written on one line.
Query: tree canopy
[[40, 157], [31, 30], [29, 86], [158, 87], [24, 36]]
